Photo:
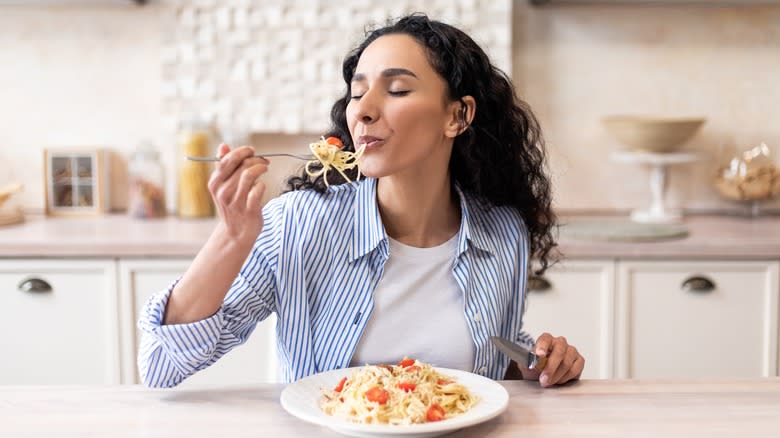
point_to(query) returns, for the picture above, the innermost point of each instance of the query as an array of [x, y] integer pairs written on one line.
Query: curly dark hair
[[499, 158]]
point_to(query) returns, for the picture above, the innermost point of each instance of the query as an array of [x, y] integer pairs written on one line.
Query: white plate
[[302, 399]]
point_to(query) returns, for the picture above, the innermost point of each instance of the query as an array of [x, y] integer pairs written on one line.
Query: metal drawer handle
[[538, 283], [34, 285], [698, 284]]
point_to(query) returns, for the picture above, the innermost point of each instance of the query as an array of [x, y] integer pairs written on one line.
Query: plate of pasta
[[409, 399]]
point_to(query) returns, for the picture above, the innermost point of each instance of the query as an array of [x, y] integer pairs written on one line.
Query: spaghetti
[[330, 154], [408, 393]]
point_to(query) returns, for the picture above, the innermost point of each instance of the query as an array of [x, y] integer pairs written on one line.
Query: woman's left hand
[[564, 362]]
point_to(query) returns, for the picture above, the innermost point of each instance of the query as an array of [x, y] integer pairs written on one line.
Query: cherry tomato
[[407, 386], [406, 362], [435, 413], [378, 395], [340, 386], [335, 142]]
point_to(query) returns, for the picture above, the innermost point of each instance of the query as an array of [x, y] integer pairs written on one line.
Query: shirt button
[[483, 369], [477, 317]]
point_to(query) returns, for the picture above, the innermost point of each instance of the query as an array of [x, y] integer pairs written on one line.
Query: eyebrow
[[387, 73]]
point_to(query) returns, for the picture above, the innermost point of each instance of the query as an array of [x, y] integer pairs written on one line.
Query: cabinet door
[[694, 319], [253, 362], [574, 299], [59, 323]]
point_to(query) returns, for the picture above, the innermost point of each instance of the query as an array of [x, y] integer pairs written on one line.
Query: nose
[[367, 108]]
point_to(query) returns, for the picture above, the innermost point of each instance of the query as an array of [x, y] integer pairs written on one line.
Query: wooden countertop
[[593, 408], [715, 237]]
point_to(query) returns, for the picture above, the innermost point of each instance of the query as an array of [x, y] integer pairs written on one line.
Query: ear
[[461, 114]]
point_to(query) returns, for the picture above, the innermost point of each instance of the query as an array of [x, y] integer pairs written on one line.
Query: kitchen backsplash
[[112, 76], [277, 68]]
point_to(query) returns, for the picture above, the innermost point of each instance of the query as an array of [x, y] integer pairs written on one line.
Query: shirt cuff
[[189, 346], [526, 340]]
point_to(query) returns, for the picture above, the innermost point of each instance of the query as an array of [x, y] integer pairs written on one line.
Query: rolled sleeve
[[178, 349], [170, 353]]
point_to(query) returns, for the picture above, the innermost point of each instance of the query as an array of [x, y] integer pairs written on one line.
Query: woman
[[426, 257]]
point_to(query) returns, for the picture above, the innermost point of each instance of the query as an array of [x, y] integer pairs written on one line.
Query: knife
[[523, 357]]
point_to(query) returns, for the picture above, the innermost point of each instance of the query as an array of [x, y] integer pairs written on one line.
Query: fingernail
[[544, 379], [539, 352]]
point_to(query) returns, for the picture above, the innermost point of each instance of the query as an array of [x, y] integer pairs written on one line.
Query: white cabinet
[[254, 361], [690, 319], [574, 299], [73, 320], [59, 323]]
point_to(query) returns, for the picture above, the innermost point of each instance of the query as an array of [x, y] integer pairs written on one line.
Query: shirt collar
[[368, 231], [470, 230]]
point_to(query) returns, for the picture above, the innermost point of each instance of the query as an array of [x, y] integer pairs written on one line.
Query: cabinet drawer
[[697, 319], [59, 323], [576, 302]]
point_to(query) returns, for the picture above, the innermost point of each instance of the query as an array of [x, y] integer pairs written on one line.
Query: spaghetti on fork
[[330, 154]]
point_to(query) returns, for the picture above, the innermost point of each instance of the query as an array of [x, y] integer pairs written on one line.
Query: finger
[[543, 344], [228, 164], [568, 361], [222, 150], [576, 370], [255, 197], [554, 359], [223, 188], [215, 178], [247, 180], [225, 191]]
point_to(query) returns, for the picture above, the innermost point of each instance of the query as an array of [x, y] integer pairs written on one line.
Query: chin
[[371, 170], [370, 173]]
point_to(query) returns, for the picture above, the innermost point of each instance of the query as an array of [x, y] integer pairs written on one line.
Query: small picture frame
[[75, 182]]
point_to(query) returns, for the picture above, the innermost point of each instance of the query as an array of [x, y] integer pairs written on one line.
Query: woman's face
[[399, 109]]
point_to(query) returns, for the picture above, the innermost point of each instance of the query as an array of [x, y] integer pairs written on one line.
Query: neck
[[419, 212]]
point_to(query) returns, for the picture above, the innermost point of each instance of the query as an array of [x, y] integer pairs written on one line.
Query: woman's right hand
[[237, 191], [238, 194]]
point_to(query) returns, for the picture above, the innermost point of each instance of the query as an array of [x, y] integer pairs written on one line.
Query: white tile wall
[[275, 66]]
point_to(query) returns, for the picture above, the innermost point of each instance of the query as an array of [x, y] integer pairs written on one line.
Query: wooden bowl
[[652, 134]]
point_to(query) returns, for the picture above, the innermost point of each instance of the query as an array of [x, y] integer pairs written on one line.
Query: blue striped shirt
[[316, 265]]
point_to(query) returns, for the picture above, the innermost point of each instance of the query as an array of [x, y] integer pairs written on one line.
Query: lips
[[370, 140]]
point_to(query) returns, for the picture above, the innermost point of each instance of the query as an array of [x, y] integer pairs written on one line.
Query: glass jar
[[146, 198], [194, 199], [750, 175]]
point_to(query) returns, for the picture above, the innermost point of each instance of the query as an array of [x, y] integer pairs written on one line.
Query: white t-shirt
[[418, 311]]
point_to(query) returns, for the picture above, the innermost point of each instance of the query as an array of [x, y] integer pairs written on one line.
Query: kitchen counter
[[100, 236], [119, 236], [594, 408], [709, 237]]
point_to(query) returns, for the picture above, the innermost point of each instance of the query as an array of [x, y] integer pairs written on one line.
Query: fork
[[296, 156]]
